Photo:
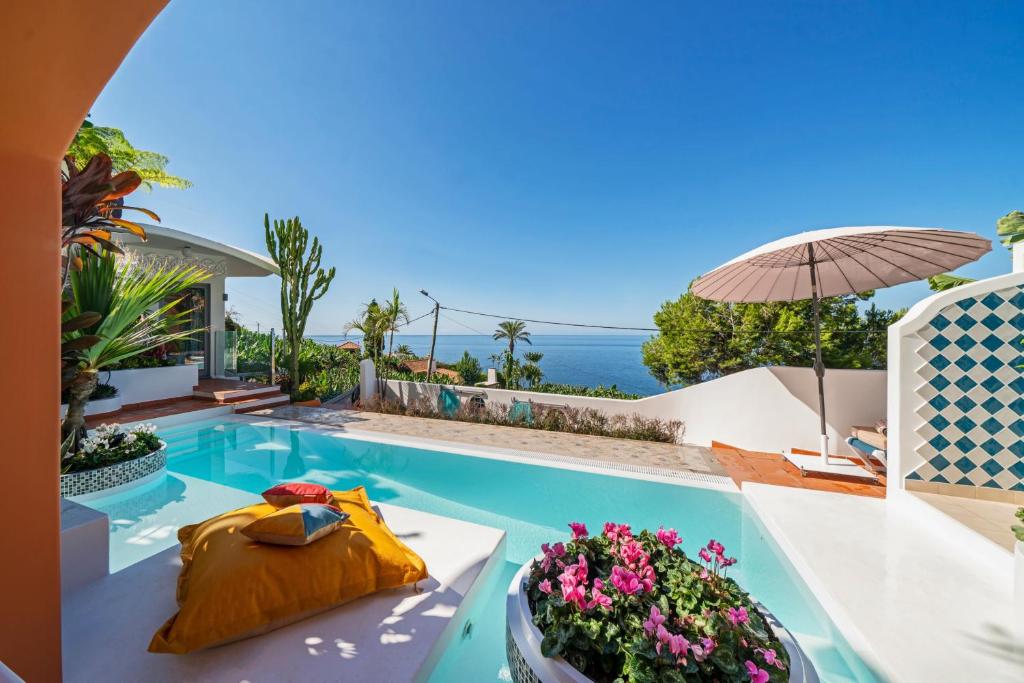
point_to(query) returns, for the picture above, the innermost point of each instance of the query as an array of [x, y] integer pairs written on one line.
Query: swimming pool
[[219, 464]]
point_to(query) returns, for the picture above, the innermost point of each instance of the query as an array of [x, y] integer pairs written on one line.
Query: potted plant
[[629, 607], [112, 456]]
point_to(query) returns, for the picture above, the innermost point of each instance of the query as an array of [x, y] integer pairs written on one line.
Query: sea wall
[[765, 409]]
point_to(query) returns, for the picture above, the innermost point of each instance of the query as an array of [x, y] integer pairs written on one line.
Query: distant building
[[419, 366], [349, 345]]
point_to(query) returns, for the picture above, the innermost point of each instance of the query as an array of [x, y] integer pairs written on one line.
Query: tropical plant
[[1010, 228], [514, 331], [91, 140], [469, 369], [111, 444], [138, 313], [373, 325], [404, 352], [1018, 530], [701, 339], [531, 368], [303, 281], [634, 608], [510, 369], [91, 207], [946, 281], [394, 314]]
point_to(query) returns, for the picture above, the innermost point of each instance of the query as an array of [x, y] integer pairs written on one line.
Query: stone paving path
[[685, 458]]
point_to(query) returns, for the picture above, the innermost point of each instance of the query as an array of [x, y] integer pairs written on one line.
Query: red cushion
[[283, 495]]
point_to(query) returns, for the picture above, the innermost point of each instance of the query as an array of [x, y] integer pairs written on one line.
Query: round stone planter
[[528, 665], [97, 407], [112, 476]]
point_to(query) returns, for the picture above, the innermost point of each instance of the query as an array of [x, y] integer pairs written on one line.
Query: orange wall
[[55, 57]]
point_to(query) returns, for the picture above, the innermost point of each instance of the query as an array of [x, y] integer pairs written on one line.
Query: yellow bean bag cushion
[[232, 587]]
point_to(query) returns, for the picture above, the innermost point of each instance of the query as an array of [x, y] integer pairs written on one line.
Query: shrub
[[1018, 530], [110, 444], [632, 608], [553, 419], [600, 391]]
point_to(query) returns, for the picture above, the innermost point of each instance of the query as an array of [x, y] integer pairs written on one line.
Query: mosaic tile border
[[90, 481], [517, 666]]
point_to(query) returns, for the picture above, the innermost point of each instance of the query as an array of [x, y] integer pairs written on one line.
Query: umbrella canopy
[[848, 260], [838, 261]]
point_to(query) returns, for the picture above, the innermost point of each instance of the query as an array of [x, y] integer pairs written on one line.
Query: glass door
[[193, 350]]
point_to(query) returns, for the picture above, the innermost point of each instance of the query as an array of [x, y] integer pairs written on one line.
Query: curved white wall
[[764, 409]]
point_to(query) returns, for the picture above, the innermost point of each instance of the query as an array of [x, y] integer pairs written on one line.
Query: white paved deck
[[394, 635], [919, 598]]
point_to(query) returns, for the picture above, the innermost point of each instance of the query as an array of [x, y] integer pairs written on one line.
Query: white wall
[[764, 409], [154, 384]]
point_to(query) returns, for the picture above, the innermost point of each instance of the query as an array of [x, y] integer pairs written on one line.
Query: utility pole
[[433, 338]]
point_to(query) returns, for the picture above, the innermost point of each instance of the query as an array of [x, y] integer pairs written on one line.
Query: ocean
[[587, 360]]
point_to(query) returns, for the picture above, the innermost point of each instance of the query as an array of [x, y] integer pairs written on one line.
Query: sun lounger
[[870, 444]]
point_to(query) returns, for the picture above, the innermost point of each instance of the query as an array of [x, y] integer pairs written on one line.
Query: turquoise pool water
[[218, 465]]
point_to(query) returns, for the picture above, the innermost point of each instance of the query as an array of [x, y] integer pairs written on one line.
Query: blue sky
[[576, 161]]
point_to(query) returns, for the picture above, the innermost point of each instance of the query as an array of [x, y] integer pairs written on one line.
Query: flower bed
[[111, 456], [634, 608]]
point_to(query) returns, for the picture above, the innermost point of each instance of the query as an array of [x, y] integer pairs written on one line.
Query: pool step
[[261, 403]]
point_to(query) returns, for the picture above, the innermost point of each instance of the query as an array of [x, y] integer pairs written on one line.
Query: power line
[[551, 322], [642, 329], [457, 322]]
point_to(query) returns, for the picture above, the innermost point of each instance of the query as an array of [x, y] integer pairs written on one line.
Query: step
[[235, 395], [261, 403]]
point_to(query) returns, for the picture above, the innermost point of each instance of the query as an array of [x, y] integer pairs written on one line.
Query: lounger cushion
[[293, 493], [232, 587], [296, 524]]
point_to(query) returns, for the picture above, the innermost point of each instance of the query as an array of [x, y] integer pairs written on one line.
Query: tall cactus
[[286, 243]]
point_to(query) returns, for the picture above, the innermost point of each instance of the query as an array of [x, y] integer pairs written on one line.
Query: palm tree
[[136, 316], [373, 326], [513, 330], [395, 314], [404, 351], [531, 370]]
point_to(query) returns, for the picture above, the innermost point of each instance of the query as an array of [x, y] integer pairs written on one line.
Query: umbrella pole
[[819, 366]]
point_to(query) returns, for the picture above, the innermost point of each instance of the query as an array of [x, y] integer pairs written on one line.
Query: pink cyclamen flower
[[631, 553], [626, 581], [756, 673], [599, 599], [716, 547], [678, 645], [669, 537], [709, 645], [655, 620], [579, 530], [704, 554], [572, 591], [704, 574], [728, 561], [646, 576], [550, 554], [545, 586], [770, 657], [738, 616]]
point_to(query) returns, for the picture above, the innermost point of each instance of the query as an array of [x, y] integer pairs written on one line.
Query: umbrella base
[[839, 467]]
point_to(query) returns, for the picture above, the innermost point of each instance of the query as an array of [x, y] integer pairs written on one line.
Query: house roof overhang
[[238, 262]]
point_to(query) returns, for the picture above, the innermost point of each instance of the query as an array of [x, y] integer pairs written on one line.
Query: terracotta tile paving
[[772, 468]]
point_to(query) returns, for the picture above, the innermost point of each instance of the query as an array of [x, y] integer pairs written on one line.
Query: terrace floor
[[989, 518], [771, 468], [686, 458]]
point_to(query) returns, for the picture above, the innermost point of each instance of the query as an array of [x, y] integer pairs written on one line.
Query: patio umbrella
[[834, 262]]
